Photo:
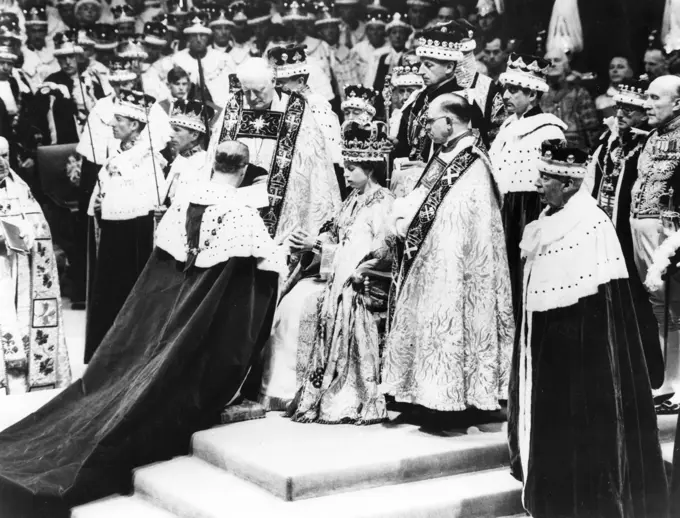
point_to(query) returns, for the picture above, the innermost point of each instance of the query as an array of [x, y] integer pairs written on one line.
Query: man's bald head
[[663, 102], [455, 105], [448, 115], [4, 148]]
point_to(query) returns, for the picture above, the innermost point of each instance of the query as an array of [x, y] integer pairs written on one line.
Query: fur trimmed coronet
[[407, 76], [526, 71], [65, 44], [632, 93], [134, 105], [191, 114], [289, 60], [446, 42], [557, 159], [361, 97]]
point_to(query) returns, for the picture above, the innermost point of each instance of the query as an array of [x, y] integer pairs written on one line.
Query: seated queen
[[325, 339]]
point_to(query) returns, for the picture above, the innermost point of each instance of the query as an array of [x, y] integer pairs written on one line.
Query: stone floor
[[15, 408]]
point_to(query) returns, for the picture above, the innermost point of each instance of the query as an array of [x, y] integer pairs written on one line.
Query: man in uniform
[[285, 140], [614, 169], [656, 191]]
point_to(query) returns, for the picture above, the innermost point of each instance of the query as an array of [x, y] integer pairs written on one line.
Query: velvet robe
[[594, 449], [179, 350]]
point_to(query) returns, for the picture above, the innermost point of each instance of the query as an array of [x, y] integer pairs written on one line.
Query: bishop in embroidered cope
[[284, 139], [451, 255]]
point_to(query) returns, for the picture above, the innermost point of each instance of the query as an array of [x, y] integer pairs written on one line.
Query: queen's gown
[[334, 365]]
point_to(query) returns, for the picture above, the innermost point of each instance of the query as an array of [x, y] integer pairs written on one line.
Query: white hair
[[4, 145], [255, 69]]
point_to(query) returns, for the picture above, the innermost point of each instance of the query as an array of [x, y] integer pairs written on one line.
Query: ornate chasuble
[[31, 330], [441, 177], [281, 127]]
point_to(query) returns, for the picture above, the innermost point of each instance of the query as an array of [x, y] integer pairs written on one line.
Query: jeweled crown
[[363, 141]]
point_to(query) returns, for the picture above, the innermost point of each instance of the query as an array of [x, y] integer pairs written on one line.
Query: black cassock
[[179, 350], [594, 438]]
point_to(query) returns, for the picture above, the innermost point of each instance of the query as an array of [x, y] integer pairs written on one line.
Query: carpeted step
[[192, 488], [295, 461], [120, 507]]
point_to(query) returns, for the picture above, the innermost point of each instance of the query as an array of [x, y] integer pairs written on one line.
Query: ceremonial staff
[[387, 101], [87, 123], [201, 80]]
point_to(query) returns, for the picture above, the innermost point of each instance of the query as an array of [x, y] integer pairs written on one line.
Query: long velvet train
[[178, 351]]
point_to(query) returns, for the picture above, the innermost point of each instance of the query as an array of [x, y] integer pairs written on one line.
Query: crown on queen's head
[[289, 60], [191, 114], [558, 159], [526, 71], [446, 42], [363, 141]]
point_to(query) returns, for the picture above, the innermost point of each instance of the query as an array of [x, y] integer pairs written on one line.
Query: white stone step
[[120, 507], [191, 488], [295, 461]]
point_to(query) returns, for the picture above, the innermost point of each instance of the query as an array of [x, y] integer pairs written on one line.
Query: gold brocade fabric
[[451, 336], [341, 380]]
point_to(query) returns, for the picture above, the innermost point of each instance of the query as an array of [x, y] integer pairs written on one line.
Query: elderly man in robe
[[451, 256], [285, 140], [582, 429], [33, 353]]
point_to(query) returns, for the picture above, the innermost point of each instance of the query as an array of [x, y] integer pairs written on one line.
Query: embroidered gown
[[178, 351], [581, 423], [341, 375]]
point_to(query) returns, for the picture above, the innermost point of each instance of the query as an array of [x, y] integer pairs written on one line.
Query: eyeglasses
[[430, 122]]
